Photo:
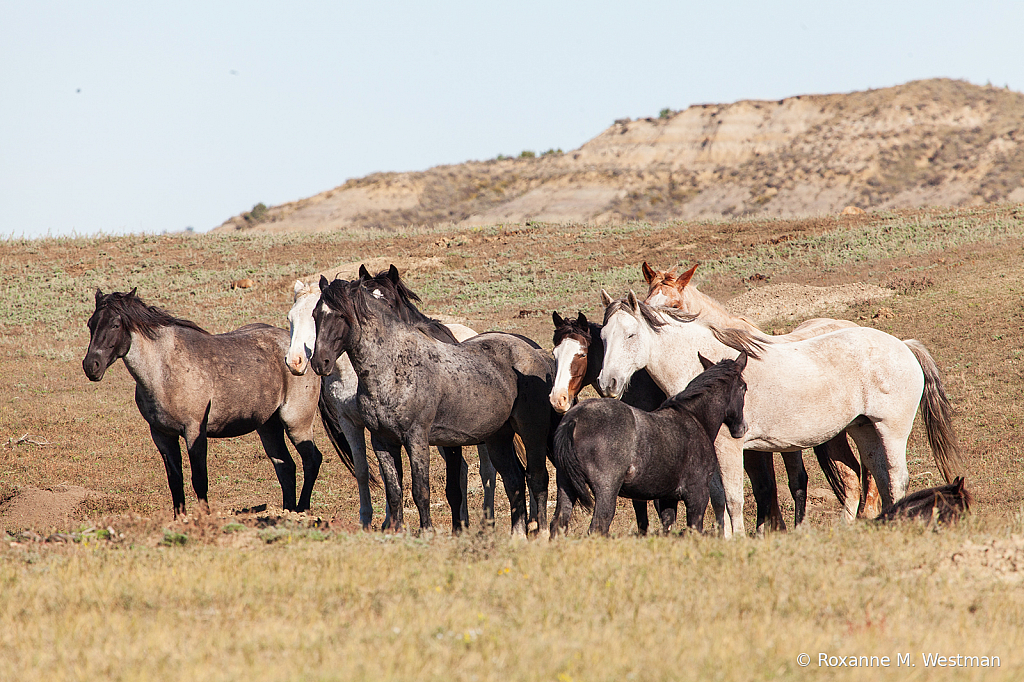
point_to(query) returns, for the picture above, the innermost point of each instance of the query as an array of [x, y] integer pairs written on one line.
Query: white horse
[[340, 411], [800, 394]]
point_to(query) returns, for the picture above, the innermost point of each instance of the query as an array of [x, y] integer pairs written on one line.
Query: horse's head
[[109, 334], [335, 316], [665, 287], [626, 336], [735, 391], [303, 328], [572, 344]]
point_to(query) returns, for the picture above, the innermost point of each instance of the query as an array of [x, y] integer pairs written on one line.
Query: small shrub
[[173, 539], [526, 154], [258, 214], [665, 113]]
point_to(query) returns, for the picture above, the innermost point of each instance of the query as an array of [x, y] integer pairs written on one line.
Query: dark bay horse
[[193, 384], [415, 391], [615, 450]]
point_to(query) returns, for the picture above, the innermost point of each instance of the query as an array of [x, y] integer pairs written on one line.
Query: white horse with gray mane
[[800, 394], [340, 412]]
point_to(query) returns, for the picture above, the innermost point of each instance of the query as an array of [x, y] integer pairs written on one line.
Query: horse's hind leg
[[503, 457], [604, 509], [488, 479], [564, 503], [667, 510], [760, 469], [312, 458], [170, 451], [642, 521], [840, 467], [797, 475], [455, 484], [272, 436], [885, 453]]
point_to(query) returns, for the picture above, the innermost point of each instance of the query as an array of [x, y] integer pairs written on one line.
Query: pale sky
[[120, 117]]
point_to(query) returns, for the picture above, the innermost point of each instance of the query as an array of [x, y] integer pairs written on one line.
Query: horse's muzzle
[[93, 367]]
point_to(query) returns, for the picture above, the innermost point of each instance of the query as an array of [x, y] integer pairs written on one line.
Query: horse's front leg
[[537, 481], [761, 470], [503, 456], [730, 462], [667, 512], [170, 451], [642, 520], [419, 469], [272, 436], [196, 442], [389, 459], [312, 458]]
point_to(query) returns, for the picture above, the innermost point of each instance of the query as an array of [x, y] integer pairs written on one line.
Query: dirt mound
[[931, 142], [56, 508], [999, 559], [792, 302]]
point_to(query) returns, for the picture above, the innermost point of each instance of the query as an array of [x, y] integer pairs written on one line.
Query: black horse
[[193, 384], [414, 391], [615, 450]]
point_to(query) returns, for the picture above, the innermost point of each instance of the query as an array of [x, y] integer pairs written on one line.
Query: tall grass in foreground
[[372, 607]]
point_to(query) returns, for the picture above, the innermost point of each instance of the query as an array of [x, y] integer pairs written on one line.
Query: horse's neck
[[146, 358], [713, 312], [707, 410], [595, 355], [673, 359]]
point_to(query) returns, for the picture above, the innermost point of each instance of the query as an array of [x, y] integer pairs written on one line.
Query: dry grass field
[[97, 581]]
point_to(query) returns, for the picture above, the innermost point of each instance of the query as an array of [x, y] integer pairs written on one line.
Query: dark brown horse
[[943, 504], [196, 385]]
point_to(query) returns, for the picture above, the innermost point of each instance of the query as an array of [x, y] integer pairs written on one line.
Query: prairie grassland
[[371, 607], [238, 600]]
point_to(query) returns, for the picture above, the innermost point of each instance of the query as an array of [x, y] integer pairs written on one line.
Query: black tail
[[566, 459], [338, 439]]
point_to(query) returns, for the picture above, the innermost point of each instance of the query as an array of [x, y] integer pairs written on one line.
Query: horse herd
[[694, 396]]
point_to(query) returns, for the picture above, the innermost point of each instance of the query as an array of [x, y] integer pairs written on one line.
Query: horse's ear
[[581, 319], [648, 272], [99, 296], [298, 286], [363, 272], [606, 300], [704, 362], [324, 283], [685, 278], [556, 318], [393, 274], [131, 294], [633, 302], [741, 361]]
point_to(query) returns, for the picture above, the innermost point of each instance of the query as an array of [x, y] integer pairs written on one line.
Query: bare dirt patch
[[792, 302], [56, 508]]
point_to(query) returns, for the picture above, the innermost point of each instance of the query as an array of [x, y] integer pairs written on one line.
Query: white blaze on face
[[657, 298], [378, 294], [303, 328], [621, 345], [564, 354]]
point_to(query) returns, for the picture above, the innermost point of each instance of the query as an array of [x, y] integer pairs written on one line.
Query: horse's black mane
[[404, 306], [139, 317], [721, 372]]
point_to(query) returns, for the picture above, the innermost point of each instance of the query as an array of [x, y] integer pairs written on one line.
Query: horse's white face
[[626, 350], [303, 328], [568, 351]]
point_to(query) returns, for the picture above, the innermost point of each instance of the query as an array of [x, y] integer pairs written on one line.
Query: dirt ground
[[75, 455]]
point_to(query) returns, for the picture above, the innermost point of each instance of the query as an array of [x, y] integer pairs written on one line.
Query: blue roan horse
[[197, 385], [616, 450]]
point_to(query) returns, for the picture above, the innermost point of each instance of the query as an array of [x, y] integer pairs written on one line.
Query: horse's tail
[[938, 415], [566, 459], [330, 418]]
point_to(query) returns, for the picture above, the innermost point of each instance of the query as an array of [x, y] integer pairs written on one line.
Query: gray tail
[[566, 459], [938, 415], [330, 419]]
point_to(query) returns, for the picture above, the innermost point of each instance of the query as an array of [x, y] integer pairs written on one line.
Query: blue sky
[[121, 117]]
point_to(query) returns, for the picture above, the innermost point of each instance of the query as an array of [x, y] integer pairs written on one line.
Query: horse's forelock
[[571, 327]]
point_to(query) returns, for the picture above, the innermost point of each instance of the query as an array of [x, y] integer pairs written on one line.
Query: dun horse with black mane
[[193, 384]]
